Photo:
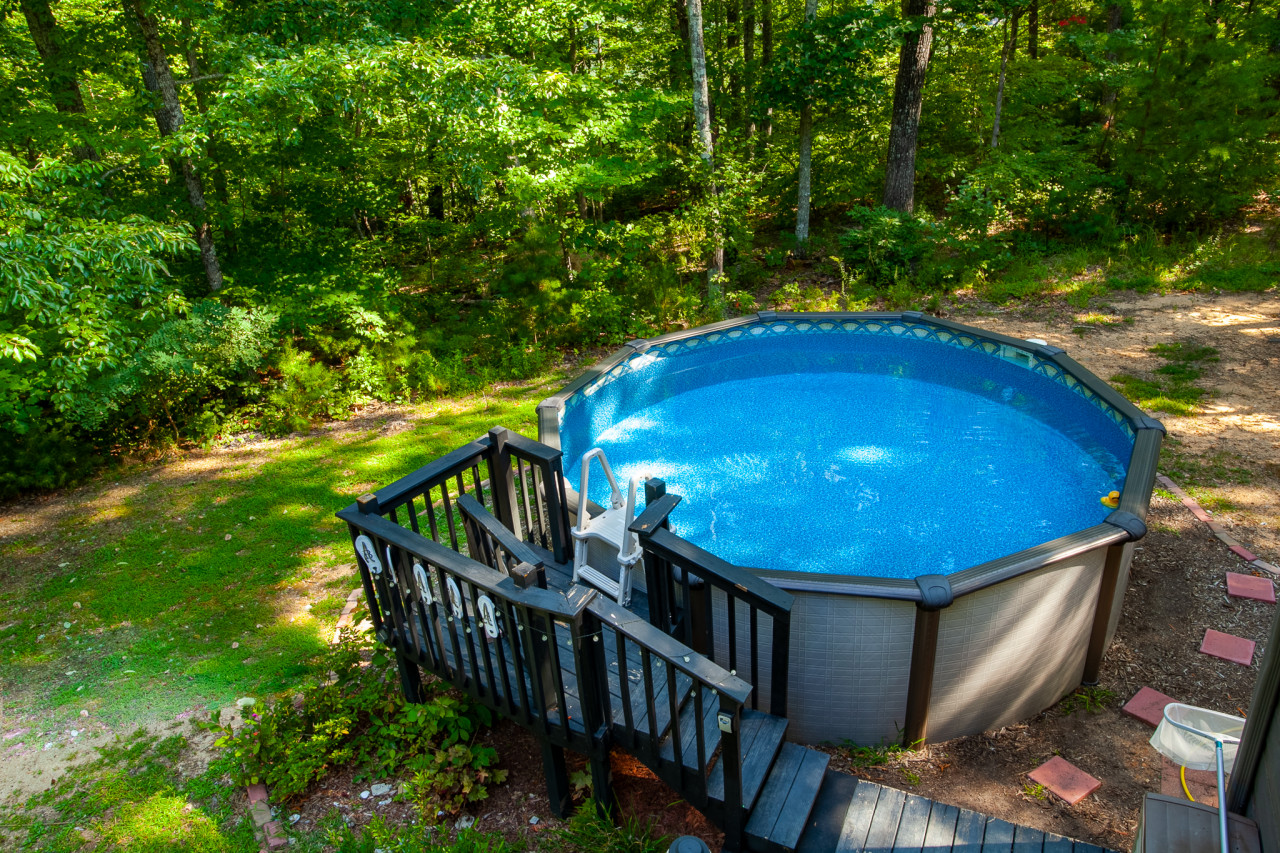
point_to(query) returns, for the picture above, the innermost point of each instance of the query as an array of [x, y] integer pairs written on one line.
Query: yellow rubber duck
[[1112, 500]]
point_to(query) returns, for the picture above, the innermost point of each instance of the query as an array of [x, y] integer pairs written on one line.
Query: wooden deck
[[855, 815]]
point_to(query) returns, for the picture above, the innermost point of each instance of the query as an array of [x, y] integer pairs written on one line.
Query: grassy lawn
[[180, 590], [171, 590]]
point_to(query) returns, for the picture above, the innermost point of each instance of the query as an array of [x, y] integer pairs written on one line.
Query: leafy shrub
[[360, 718], [48, 455], [885, 246], [170, 379], [305, 391]]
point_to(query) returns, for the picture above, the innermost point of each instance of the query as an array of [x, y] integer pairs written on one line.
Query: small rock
[[227, 538], [48, 746], [76, 605], [84, 713], [75, 733], [235, 645], [66, 625], [380, 789], [364, 795], [465, 822], [247, 702], [533, 820], [384, 802]]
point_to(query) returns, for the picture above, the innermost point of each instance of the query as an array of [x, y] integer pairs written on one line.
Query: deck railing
[[515, 478], [712, 605]]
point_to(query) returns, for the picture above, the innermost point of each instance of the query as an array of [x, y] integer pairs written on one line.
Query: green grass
[[1171, 388], [137, 618], [131, 797], [1091, 699]]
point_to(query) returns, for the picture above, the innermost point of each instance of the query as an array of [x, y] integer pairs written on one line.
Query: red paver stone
[[1147, 705], [1248, 586], [1244, 553], [257, 793], [275, 835], [1203, 784], [1225, 646], [1065, 780]]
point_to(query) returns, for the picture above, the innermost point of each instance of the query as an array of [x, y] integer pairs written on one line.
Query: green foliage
[[177, 371], [873, 756], [586, 832], [360, 718], [887, 246], [1172, 388], [1094, 700]]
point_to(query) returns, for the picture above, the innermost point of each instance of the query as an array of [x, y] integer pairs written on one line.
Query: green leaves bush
[[360, 718]]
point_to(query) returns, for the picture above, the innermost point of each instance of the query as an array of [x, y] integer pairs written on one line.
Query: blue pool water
[[854, 454]]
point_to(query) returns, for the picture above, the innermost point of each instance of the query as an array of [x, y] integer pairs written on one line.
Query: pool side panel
[[850, 662], [1011, 650]]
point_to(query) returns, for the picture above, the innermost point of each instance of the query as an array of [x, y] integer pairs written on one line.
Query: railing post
[[593, 687], [935, 595], [657, 582], [556, 502], [729, 720], [502, 481], [780, 667]]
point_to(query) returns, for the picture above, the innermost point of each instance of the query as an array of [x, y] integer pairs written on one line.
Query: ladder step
[[758, 744], [600, 581], [780, 816]]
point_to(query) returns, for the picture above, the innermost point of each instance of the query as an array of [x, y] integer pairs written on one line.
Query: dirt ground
[[1176, 591]]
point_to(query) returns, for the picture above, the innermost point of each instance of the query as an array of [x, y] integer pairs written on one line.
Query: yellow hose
[[1185, 789]]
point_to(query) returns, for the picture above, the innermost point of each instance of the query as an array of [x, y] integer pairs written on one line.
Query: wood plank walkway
[[856, 816]]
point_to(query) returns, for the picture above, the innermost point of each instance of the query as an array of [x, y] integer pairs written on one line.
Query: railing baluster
[[700, 738], [448, 514], [755, 658], [624, 684], [413, 514], [431, 517], [731, 607], [650, 700], [526, 518], [673, 690]]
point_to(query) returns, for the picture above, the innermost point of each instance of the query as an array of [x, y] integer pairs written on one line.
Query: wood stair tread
[[782, 812], [688, 727], [759, 741]]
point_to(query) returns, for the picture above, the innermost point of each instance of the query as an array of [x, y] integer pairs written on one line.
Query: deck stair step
[[760, 739], [688, 731], [782, 811], [856, 816]]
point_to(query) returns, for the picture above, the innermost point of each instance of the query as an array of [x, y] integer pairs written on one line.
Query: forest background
[[220, 216]]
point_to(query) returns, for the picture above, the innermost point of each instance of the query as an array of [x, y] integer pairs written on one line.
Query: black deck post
[[502, 481], [594, 686], [729, 720], [935, 595], [558, 790]]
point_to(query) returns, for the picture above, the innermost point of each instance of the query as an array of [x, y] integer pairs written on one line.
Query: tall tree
[[805, 176], [169, 119], [1010, 48], [59, 67], [748, 63], [908, 95], [702, 118], [766, 59]]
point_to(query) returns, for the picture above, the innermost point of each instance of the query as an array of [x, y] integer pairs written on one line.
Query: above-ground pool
[[842, 457]]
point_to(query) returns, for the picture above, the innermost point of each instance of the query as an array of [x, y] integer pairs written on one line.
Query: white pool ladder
[[608, 528]]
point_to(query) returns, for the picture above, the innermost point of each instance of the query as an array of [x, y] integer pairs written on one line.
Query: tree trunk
[[202, 106], [59, 69], [679, 28], [1033, 30], [766, 60], [908, 95], [169, 120], [1115, 17], [702, 118], [748, 63], [805, 177], [733, 40], [1010, 45]]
